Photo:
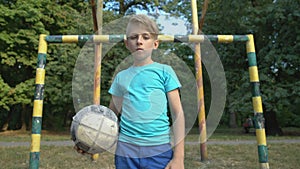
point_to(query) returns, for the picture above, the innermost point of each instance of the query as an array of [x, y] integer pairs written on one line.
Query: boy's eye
[[134, 37], [145, 36]]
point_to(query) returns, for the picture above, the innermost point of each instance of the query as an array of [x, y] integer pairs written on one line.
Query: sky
[[172, 26], [169, 25]]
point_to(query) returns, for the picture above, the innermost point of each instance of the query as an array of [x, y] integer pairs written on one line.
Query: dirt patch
[[14, 132]]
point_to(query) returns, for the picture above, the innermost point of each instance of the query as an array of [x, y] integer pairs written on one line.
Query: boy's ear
[[126, 43], [156, 44]]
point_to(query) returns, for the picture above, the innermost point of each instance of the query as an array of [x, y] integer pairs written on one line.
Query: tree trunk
[[67, 119], [271, 124], [232, 120], [5, 125], [30, 120], [122, 9], [23, 115]]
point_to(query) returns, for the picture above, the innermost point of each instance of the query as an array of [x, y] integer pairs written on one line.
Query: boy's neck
[[142, 63]]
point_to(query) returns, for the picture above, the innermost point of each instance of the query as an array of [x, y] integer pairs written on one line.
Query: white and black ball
[[94, 129]]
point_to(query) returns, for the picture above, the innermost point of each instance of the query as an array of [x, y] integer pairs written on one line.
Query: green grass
[[52, 157], [281, 156], [25, 136], [219, 134], [227, 134], [285, 156]]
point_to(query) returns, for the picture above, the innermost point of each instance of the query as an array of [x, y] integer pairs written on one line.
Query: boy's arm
[[116, 104], [179, 130]]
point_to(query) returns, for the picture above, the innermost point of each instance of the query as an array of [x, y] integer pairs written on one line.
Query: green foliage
[[279, 57], [23, 93], [21, 23], [275, 28], [20, 27], [6, 92], [274, 25]]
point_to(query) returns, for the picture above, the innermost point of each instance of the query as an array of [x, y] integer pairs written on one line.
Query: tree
[[279, 53], [123, 7], [275, 28], [21, 23], [272, 24]]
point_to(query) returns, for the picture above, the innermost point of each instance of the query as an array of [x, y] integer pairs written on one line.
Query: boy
[[141, 94]]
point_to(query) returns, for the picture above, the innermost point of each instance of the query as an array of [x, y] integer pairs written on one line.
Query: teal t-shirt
[[144, 119]]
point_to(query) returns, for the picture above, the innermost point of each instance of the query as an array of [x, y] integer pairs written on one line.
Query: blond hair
[[142, 19]]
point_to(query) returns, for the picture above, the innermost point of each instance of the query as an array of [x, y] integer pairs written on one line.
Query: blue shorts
[[130, 156]]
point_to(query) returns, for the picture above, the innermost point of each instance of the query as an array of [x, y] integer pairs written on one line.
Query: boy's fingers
[[78, 150], [81, 151]]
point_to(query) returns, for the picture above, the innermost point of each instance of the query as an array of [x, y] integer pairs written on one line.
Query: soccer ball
[[94, 129]]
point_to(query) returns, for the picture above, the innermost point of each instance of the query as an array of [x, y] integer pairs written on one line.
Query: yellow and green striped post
[[161, 38], [38, 104], [257, 105]]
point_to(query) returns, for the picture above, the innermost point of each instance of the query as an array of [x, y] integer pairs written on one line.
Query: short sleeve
[[171, 79], [115, 88]]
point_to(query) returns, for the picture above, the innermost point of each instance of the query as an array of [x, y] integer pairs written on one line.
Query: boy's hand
[[81, 151], [175, 164]]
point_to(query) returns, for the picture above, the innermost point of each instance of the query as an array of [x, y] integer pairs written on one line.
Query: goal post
[[44, 40]]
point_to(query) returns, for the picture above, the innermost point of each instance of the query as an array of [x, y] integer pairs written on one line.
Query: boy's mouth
[[139, 49]]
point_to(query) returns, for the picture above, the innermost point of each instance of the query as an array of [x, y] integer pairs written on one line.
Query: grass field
[[239, 156]]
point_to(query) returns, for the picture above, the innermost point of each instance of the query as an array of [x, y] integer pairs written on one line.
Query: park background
[[274, 24]]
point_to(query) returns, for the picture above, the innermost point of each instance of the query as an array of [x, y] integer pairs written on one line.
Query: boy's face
[[140, 42]]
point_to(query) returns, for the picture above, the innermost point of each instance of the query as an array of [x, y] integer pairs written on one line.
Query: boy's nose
[[140, 39]]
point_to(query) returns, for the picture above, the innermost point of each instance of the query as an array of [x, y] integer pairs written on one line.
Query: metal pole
[[38, 105], [161, 38], [253, 71], [257, 105], [199, 79]]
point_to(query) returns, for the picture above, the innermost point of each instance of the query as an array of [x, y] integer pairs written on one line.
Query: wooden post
[[97, 9], [199, 79]]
